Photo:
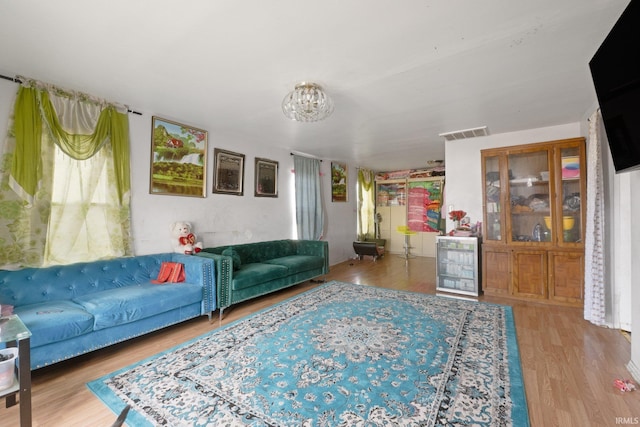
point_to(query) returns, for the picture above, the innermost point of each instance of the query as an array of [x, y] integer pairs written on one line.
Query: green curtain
[[33, 106], [366, 205], [65, 179], [26, 167], [309, 208]]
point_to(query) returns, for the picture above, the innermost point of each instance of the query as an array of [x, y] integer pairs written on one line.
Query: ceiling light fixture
[[307, 103]]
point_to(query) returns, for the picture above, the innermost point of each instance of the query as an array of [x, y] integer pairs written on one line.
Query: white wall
[[464, 169], [634, 231], [464, 191], [219, 218]]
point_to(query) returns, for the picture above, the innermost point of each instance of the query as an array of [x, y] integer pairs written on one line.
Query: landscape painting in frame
[[178, 159], [266, 178], [338, 182], [228, 172]]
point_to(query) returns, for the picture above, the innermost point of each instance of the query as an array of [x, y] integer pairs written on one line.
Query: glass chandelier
[[307, 103]]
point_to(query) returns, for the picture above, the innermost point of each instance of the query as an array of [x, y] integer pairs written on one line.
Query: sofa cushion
[[130, 303], [262, 251], [298, 263], [256, 274], [235, 257], [54, 321]]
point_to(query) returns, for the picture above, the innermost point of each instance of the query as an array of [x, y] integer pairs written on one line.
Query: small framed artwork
[[178, 159], [570, 167], [266, 178], [338, 182], [228, 172]]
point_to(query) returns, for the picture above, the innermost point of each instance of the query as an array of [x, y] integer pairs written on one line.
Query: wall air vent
[[466, 133]]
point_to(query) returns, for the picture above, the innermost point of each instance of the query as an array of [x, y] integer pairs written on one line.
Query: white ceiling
[[399, 72]]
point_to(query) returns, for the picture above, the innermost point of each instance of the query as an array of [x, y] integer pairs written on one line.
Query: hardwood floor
[[568, 364]]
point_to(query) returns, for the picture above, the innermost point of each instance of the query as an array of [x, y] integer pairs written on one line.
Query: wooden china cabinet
[[534, 212]]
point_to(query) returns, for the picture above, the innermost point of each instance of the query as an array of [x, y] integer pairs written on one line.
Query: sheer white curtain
[[82, 219], [595, 305]]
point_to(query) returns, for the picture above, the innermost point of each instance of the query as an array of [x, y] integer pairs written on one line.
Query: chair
[[371, 247], [407, 232]]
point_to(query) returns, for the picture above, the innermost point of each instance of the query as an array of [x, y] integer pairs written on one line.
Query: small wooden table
[[15, 334]]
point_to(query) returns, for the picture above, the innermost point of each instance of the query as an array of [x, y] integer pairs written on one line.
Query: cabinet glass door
[[391, 193], [570, 195], [457, 265], [531, 217], [493, 220]]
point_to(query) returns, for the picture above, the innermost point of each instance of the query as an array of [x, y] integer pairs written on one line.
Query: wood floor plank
[[568, 364]]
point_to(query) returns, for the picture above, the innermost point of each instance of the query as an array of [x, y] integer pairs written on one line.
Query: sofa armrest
[[200, 270], [224, 276], [315, 247]]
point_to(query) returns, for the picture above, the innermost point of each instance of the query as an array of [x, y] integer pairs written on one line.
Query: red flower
[[457, 215]]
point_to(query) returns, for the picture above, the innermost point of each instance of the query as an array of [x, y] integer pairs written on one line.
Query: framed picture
[[338, 182], [570, 167], [266, 184], [228, 172], [178, 159]]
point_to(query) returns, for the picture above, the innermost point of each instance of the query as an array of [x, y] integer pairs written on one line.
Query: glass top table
[[14, 333], [12, 329]]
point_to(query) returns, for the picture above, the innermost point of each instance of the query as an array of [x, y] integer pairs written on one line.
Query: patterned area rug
[[338, 355]]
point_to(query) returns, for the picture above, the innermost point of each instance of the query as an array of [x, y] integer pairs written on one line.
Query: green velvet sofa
[[250, 270]]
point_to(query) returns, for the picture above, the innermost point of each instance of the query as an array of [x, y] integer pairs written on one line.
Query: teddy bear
[[183, 240]]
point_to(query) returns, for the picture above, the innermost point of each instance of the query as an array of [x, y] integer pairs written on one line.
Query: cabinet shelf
[[534, 228], [528, 183], [531, 213], [463, 274], [458, 265], [461, 250], [413, 203]]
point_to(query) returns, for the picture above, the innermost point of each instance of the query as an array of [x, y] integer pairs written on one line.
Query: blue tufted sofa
[[77, 308], [250, 270]]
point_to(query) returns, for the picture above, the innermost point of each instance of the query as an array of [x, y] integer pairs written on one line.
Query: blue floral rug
[[338, 355]]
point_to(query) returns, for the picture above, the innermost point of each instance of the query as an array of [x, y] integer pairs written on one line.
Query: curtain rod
[[16, 80], [294, 154]]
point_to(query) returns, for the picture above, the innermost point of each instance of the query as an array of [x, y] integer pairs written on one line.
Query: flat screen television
[[615, 69]]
